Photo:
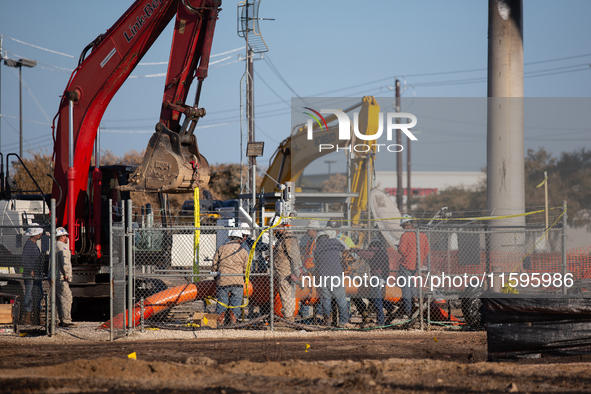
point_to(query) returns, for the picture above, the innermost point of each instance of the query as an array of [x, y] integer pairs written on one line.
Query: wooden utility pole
[[408, 188], [399, 189]]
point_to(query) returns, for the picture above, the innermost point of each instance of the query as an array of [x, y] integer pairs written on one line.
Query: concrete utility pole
[[399, 189], [505, 150]]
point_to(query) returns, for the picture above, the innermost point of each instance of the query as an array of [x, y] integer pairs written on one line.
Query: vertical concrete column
[[505, 150]]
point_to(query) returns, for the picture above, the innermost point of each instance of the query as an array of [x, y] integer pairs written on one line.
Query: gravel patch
[[87, 331]]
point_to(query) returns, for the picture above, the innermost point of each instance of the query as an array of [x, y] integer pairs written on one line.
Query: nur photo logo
[[344, 130]]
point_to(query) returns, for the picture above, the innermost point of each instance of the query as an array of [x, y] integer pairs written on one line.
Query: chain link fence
[[24, 278], [317, 277]]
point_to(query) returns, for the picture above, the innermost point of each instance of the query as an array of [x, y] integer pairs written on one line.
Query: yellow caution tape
[[538, 241], [543, 182], [429, 219]]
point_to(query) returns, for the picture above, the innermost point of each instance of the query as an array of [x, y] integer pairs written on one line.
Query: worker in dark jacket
[[379, 265], [33, 273], [327, 259]]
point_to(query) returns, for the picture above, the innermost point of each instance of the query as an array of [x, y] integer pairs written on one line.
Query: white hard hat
[[235, 233], [331, 233], [32, 231], [313, 224], [406, 219], [245, 228], [60, 231]]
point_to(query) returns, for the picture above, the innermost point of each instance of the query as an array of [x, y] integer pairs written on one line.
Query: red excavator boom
[[172, 162]]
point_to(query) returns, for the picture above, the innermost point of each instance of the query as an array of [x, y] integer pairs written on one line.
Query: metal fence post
[[128, 253], [52, 252], [564, 224], [271, 284], [111, 284], [420, 274], [142, 314]]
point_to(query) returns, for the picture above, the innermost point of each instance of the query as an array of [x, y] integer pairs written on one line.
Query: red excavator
[[172, 162]]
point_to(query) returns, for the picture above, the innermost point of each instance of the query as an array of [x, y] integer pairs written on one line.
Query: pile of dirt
[[392, 375]]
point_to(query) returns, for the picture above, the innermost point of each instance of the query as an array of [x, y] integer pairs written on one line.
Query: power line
[[278, 74], [38, 47]]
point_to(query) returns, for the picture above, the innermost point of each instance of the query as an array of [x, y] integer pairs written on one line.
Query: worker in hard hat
[[64, 277], [377, 259], [258, 263], [287, 269], [333, 229], [230, 259], [308, 252], [329, 271], [407, 248], [335, 225], [32, 260]]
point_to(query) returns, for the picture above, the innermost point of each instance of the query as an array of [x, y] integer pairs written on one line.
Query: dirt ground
[[335, 362]]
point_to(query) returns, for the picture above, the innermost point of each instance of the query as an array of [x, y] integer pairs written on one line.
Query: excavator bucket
[[171, 165]]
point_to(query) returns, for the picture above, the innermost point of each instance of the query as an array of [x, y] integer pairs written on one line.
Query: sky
[[317, 48]]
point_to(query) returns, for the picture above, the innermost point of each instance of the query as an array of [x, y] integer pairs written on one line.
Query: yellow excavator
[[296, 152]]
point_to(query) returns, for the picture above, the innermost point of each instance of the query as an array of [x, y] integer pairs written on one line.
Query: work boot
[[327, 321], [221, 318], [232, 317], [290, 318], [365, 319], [67, 325]]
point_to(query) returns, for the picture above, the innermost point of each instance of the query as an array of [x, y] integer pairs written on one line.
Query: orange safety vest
[[309, 256]]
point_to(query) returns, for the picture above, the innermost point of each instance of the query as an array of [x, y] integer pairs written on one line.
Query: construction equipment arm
[[100, 75]]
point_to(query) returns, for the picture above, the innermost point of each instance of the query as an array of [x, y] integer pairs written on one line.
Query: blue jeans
[[223, 293], [33, 292], [377, 299], [339, 294], [407, 291]]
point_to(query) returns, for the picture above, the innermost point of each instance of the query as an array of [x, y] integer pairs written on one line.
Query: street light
[[19, 64]]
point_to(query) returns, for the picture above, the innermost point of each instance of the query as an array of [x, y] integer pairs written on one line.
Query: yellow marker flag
[[205, 320], [543, 182], [307, 347], [435, 339], [132, 356]]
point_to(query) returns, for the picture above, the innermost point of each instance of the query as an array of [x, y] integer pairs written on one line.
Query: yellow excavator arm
[[296, 152]]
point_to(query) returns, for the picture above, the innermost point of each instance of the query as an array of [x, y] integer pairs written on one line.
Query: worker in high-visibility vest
[[308, 253]]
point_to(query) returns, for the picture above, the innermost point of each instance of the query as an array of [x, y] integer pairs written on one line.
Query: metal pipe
[[125, 263], [111, 284], [564, 262], [254, 199], [71, 176], [20, 111], [368, 191], [271, 284], [399, 169], [52, 271], [97, 177], [128, 252], [418, 268], [349, 172]]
